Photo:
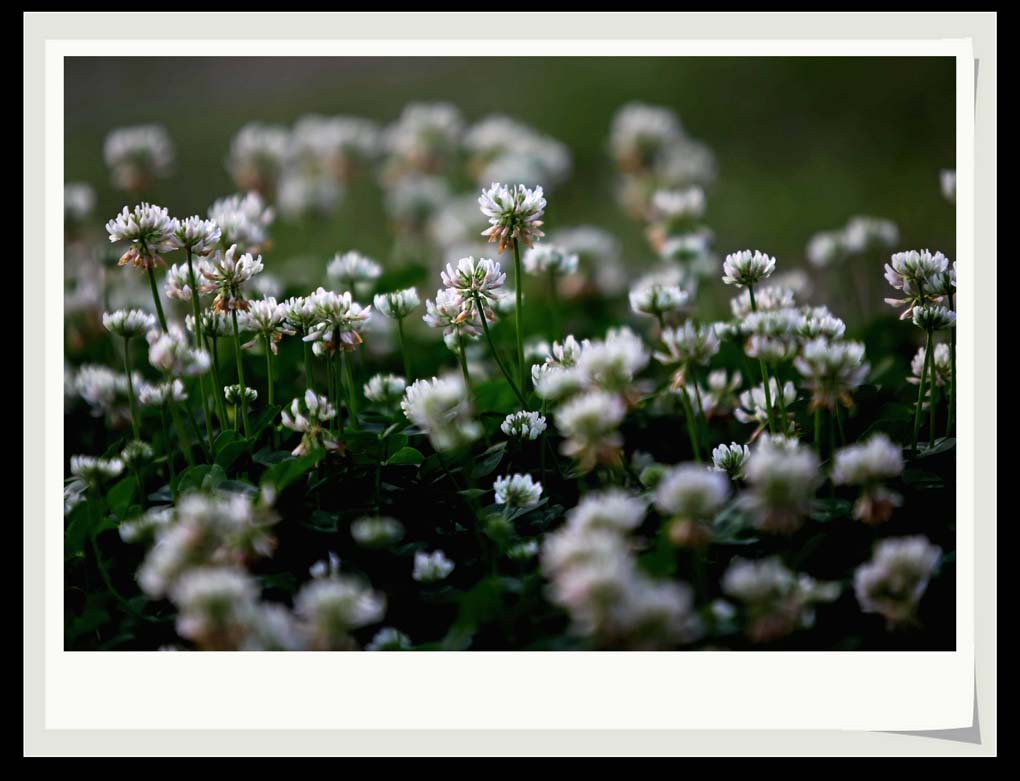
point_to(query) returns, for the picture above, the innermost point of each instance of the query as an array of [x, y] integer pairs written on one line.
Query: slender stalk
[[554, 299], [839, 424], [783, 420], [196, 315], [269, 368], [240, 373], [181, 436], [951, 415], [690, 424], [155, 298], [218, 399], [703, 432], [920, 393], [135, 427], [764, 371], [932, 399], [167, 449], [463, 362], [818, 430], [308, 365], [518, 310], [352, 391], [495, 353], [403, 350]]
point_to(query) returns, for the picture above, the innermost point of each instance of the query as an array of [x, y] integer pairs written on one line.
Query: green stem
[[764, 371], [463, 362], [219, 401], [135, 427], [518, 310], [167, 449], [554, 298], [690, 424], [403, 350], [352, 391], [198, 345], [839, 424], [155, 298], [920, 394], [951, 415], [932, 399], [818, 430], [308, 365], [495, 353], [240, 373], [783, 421], [269, 369], [181, 436]]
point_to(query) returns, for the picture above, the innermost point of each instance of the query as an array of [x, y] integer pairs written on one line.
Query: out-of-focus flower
[[431, 567], [832, 370], [310, 416], [138, 155], [943, 366], [523, 425], [215, 606], [894, 580], [136, 453], [947, 183], [353, 271], [243, 220], [441, 408], [657, 300], [514, 212], [690, 495], [377, 531], [753, 407], [389, 639], [398, 304], [79, 201], [233, 394], [171, 391], [868, 465], [589, 426], [331, 608], [385, 389], [766, 299], [549, 258], [612, 363], [688, 344], [517, 491], [93, 471], [172, 352], [776, 600], [258, 155], [782, 476], [425, 139]]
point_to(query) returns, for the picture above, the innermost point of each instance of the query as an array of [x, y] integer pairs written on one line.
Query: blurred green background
[[801, 144]]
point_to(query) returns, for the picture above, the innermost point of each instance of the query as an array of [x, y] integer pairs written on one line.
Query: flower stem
[[951, 415], [352, 391], [155, 298], [463, 362], [181, 436], [495, 353], [920, 394], [403, 350], [135, 427], [690, 424], [240, 373], [198, 345], [818, 430], [518, 310], [554, 299], [308, 365], [219, 402], [933, 399], [269, 369], [764, 371]]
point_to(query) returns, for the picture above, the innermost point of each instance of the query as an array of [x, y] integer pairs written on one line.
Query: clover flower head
[[234, 393], [326, 568], [782, 476], [200, 236], [867, 465], [341, 320], [691, 492], [523, 425], [398, 304], [389, 639], [555, 383], [171, 352], [385, 389], [589, 425], [178, 279], [258, 154], [866, 234], [517, 491], [101, 388], [331, 608], [731, 459], [832, 370], [266, 319], [826, 248], [431, 567], [599, 255], [613, 362], [920, 275], [747, 268], [674, 207], [688, 344], [243, 220], [819, 321], [894, 580], [353, 271], [455, 314], [128, 323], [137, 155], [548, 258], [931, 317], [214, 606], [93, 471], [753, 405], [441, 408], [566, 353], [514, 213], [471, 278], [150, 232], [424, 138], [377, 531], [640, 134], [309, 416], [79, 200], [947, 184], [226, 274], [656, 300], [943, 365], [613, 509], [777, 601], [766, 299], [136, 453], [171, 391]]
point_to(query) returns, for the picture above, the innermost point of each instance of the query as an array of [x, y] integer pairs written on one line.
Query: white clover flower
[[826, 248], [548, 259], [773, 335], [612, 509], [470, 278], [947, 183], [215, 605], [330, 608], [377, 531], [243, 220], [719, 397], [226, 275], [137, 155], [566, 353], [782, 476], [161, 393], [431, 567], [868, 464], [441, 408], [657, 300], [589, 425], [747, 268], [819, 321], [943, 365], [326, 568], [523, 425], [777, 600], [766, 299], [79, 200], [258, 154], [101, 388], [340, 320], [92, 470], [503, 149], [515, 213], [688, 248], [919, 274], [555, 383], [302, 192], [389, 639], [413, 203], [425, 137], [894, 580], [353, 271], [128, 323], [272, 628], [753, 407], [688, 344], [178, 279], [599, 259], [640, 134], [150, 232], [172, 353], [691, 492], [866, 234], [612, 363], [267, 319], [385, 389], [234, 393], [930, 317], [832, 371], [731, 459], [74, 494], [398, 304], [200, 236], [455, 314], [675, 208], [310, 416], [517, 491], [136, 453]]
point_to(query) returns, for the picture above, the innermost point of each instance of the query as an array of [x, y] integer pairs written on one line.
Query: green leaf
[[488, 461], [920, 479], [239, 487], [473, 493], [267, 457], [264, 419], [406, 456], [119, 497], [286, 473]]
